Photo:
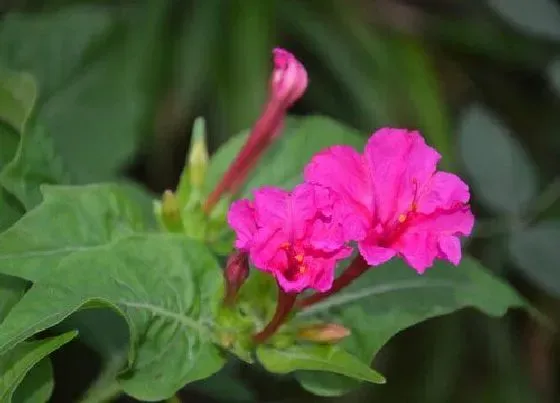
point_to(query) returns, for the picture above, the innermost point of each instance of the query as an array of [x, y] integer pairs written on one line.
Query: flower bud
[[288, 82], [289, 78], [237, 271], [168, 212], [324, 333], [198, 156]]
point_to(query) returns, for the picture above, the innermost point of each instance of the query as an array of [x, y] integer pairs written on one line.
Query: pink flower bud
[[237, 271], [288, 82], [289, 78], [324, 333]]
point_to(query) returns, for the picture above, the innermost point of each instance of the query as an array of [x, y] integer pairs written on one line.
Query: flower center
[[393, 231], [296, 257]]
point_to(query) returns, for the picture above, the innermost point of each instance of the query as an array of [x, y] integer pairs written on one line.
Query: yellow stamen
[[299, 258], [402, 218]]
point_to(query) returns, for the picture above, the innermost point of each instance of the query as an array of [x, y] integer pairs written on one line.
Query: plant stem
[[286, 302], [353, 271], [260, 137]]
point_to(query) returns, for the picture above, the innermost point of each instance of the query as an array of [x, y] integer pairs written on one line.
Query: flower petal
[[241, 217], [323, 274], [374, 254], [295, 283], [422, 241], [341, 169], [400, 164], [326, 236], [419, 249], [443, 191], [267, 253], [458, 221], [450, 249], [271, 206], [302, 209]]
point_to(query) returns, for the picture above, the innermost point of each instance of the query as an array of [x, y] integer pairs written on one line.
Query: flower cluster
[[389, 200]]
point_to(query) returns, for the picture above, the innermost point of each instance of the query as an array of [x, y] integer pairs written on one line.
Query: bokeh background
[[122, 81]]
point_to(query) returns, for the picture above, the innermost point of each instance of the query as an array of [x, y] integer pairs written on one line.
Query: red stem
[[259, 138], [353, 271], [230, 296], [285, 304]]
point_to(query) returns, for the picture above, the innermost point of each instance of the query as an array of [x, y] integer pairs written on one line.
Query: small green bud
[[198, 155], [168, 212], [189, 191]]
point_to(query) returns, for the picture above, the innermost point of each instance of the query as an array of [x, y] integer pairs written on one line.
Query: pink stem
[[259, 138]]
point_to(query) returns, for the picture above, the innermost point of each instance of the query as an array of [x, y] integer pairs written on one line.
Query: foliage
[[86, 90]]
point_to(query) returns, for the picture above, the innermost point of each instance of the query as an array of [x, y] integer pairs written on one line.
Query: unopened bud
[[237, 271], [289, 78], [198, 155], [324, 333], [170, 212]]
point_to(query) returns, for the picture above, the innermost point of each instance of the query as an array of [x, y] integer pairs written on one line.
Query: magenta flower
[[392, 201], [291, 235]]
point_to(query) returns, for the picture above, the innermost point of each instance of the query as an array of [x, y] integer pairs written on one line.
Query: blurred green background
[[122, 81]]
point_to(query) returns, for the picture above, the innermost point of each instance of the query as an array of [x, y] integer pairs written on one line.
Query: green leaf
[[69, 220], [316, 358], [96, 77], [11, 291], [283, 163], [143, 198], [535, 250], [52, 46], [17, 97], [538, 17], [10, 209], [37, 386], [35, 163], [15, 364], [9, 138], [500, 170], [392, 297], [112, 342], [167, 287]]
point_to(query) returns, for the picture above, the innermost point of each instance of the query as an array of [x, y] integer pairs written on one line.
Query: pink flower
[[289, 78], [392, 201], [291, 235]]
